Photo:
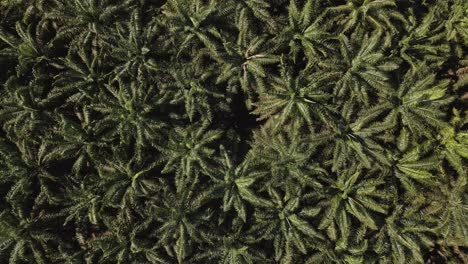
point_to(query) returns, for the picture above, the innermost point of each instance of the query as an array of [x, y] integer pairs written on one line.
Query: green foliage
[[290, 96], [234, 131]]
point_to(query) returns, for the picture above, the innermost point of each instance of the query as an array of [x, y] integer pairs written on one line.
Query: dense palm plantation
[[234, 131]]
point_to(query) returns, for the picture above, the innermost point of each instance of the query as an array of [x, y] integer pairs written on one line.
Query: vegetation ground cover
[[233, 131]]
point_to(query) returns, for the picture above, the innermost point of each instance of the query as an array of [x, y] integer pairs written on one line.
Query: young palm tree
[[418, 102], [78, 141], [368, 14], [231, 182], [129, 114], [403, 236], [245, 62], [87, 20], [183, 221], [356, 197], [25, 110], [294, 95], [192, 23], [188, 152], [30, 239], [285, 222], [362, 69], [131, 44], [305, 32], [426, 41]]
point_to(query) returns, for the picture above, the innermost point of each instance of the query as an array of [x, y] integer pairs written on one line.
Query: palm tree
[[362, 69], [413, 166], [306, 32], [296, 96], [81, 75], [188, 151], [192, 90], [33, 170], [355, 194], [87, 20], [285, 157], [30, 47], [285, 221], [403, 236], [245, 62], [418, 102], [191, 23], [253, 11], [232, 248], [27, 239], [364, 14], [25, 110], [129, 115], [117, 244], [131, 44], [125, 181], [183, 221], [456, 24], [231, 182], [84, 204], [78, 141], [454, 143], [425, 42], [360, 140]]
